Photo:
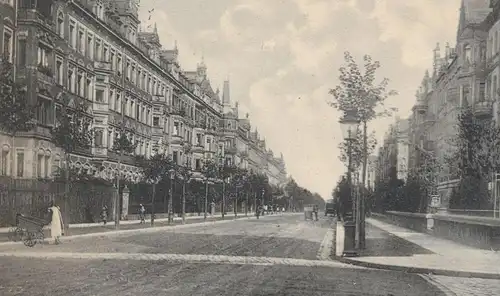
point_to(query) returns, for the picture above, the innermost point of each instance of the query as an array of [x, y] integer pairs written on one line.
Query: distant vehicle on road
[[330, 207]]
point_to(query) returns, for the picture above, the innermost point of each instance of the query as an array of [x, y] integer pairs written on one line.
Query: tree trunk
[[66, 215], [184, 202], [363, 179], [153, 205]]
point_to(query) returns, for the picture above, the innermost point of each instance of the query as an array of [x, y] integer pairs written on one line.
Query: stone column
[[125, 202]]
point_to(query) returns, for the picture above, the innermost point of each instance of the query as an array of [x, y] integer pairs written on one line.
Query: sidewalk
[[131, 222], [392, 247], [96, 228]]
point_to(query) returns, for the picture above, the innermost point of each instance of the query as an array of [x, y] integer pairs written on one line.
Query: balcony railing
[[102, 66], [483, 109], [100, 151], [230, 150], [45, 74]]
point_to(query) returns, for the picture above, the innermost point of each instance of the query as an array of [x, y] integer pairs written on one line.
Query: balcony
[[483, 109], [100, 106], [100, 151], [230, 150], [157, 130], [244, 154], [200, 125], [45, 74], [430, 119], [177, 140], [176, 111], [126, 159], [103, 67], [198, 148]]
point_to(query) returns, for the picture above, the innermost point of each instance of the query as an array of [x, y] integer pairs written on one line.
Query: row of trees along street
[[473, 156], [163, 183]]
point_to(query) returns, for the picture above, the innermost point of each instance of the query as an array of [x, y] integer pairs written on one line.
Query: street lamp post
[[349, 125], [170, 196]]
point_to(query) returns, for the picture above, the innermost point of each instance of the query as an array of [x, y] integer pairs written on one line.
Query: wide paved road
[[276, 255]]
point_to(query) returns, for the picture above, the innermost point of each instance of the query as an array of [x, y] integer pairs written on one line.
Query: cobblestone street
[[276, 255]]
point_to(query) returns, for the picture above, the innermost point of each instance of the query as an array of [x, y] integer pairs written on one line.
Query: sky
[[282, 57]]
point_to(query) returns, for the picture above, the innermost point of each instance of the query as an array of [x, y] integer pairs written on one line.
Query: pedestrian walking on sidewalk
[[315, 211], [104, 215], [56, 223], [142, 214]]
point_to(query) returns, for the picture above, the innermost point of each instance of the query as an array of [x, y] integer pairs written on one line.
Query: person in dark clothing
[[104, 215]]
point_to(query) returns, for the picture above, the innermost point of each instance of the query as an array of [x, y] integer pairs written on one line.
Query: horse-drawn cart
[[28, 229]]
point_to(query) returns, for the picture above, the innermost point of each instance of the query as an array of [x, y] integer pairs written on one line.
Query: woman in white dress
[[56, 223]]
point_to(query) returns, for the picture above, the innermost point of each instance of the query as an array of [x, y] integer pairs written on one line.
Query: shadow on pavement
[[384, 244]]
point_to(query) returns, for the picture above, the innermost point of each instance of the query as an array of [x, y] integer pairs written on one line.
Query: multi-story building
[[458, 79], [393, 155], [93, 51]]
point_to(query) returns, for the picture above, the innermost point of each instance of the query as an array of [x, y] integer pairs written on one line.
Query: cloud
[[283, 57]]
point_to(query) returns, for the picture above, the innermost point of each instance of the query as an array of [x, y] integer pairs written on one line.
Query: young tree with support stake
[[122, 144], [17, 114], [358, 91], [72, 131], [210, 171], [155, 169]]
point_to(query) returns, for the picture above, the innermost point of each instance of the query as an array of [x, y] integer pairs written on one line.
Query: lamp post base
[[350, 239]]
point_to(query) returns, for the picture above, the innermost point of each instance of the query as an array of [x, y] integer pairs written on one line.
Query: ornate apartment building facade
[[93, 51], [458, 79]]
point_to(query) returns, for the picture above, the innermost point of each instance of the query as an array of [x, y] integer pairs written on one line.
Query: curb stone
[[419, 270], [438, 285]]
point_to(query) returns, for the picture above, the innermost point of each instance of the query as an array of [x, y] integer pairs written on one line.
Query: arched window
[[468, 53]]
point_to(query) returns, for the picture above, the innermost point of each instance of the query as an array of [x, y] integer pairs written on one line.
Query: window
[[468, 53], [39, 166], [43, 55], [119, 64], [175, 131], [21, 55], [60, 24], [199, 139], [81, 41], [198, 164], [89, 90], [90, 46], [80, 84], [5, 162], [156, 121], [72, 33], [98, 138], [111, 99], [118, 106], [175, 157], [138, 112], [59, 70], [44, 111], [7, 43], [71, 78], [148, 114], [112, 59], [98, 50], [106, 53], [46, 166], [20, 163], [127, 70], [99, 95]]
